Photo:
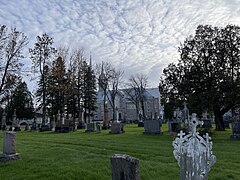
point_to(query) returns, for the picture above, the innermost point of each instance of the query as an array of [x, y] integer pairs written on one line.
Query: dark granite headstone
[[125, 167], [152, 127]]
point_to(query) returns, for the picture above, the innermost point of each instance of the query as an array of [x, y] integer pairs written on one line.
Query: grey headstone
[[98, 128], [9, 143], [90, 127], [152, 127], [125, 167], [9, 147], [117, 128]]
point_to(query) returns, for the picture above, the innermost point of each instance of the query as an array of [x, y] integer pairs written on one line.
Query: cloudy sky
[[137, 36]]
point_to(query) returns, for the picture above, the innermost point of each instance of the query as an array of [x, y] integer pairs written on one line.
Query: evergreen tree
[[59, 85], [89, 91], [22, 101]]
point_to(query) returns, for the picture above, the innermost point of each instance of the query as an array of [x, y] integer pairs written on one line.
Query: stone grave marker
[[4, 121], [90, 127], [34, 125], [193, 153], [235, 130], [152, 127], [98, 127], [185, 117], [125, 167], [117, 128], [9, 147], [27, 128], [16, 122]]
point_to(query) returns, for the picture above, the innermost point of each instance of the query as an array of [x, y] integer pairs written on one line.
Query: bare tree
[[11, 46], [114, 82], [104, 73], [41, 55], [138, 84]]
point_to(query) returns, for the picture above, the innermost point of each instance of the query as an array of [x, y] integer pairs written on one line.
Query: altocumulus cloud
[[138, 36]]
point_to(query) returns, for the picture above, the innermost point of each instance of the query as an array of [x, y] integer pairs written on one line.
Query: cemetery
[[84, 120], [81, 155]]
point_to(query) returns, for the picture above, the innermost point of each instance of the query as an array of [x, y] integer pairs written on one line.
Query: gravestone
[[90, 127], [207, 124], [34, 125], [4, 121], [235, 130], [27, 127], [9, 147], [193, 153], [63, 123], [117, 128], [185, 117], [15, 122], [98, 127], [152, 127], [173, 126], [53, 125], [125, 167]]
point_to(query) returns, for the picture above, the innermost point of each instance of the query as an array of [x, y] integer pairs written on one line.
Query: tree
[[76, 74], [11, 45], [104, 71], [58, 86], [114, 82], [41, 55], [89, 91], [22, 101], [138, 84], [207, 75]]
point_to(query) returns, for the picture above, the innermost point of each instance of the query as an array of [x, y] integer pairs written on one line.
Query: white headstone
[[193, 153]]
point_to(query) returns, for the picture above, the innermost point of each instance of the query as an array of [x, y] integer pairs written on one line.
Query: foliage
[[22, 101], [207, 74], [41, 56], [12, 43], [89, 91]]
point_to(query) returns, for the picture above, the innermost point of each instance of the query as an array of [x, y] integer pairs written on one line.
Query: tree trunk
[[219, 120]]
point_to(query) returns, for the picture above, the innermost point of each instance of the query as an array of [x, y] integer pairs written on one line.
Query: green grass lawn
[[80, 155]]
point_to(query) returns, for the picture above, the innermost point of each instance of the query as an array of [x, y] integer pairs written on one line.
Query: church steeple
[[101, 79]]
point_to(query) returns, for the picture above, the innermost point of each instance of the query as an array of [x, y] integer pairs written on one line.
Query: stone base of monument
[[44, 128], [117, 128], [90, 127], [152, 127], [9, 157]]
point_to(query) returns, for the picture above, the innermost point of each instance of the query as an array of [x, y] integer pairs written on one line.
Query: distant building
[[125, 108]]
